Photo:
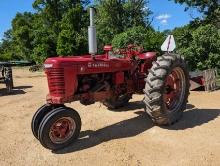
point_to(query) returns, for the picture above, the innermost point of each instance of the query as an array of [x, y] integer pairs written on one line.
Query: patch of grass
[[218, 82]]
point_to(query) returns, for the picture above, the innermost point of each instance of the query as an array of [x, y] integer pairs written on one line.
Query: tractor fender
[[151, 56]]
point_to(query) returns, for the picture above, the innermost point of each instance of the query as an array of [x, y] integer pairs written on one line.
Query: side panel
[[98, 66], [119, 78], [71, 81]]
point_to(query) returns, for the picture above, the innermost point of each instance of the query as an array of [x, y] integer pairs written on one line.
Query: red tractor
[[111, 78]]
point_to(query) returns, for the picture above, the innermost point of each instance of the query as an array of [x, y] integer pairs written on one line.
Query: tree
[[199, 41], [22, 34], [51, 12], [149, 39], [116, 16], [7, 47], [205, 6], [200, 46], [183, 36], [210, 9], [206, 47], [44, 40], [46, 27], [72, 39]]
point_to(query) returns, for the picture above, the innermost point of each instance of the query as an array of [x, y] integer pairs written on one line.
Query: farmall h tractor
[[111, 78]]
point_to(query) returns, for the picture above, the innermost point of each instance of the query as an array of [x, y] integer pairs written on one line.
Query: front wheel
[[167, 89], [37, 118], [59, 128]]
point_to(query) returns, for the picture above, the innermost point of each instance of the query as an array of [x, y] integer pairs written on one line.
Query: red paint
[[108, 48], [119, 78], [172, 88], [199, 79], [60, 129], [63, 77]]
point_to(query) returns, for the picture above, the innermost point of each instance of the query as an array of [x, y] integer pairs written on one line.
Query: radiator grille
[[56, 81]]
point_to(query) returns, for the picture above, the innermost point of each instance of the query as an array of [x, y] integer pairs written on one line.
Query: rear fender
[[150, 56], [147, 59]]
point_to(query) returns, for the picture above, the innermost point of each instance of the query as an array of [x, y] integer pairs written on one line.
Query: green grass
[[218, 81]]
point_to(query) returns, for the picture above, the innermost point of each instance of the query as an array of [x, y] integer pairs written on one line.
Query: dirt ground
[[125, 137]]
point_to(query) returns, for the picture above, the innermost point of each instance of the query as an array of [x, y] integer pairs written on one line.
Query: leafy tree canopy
[[149, 39], [210, 9], [200, 46], [116, 16]]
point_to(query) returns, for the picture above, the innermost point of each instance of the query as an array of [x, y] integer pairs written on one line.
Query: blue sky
[[8, 10], [167, 15]]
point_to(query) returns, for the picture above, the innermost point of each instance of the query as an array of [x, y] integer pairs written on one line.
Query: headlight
[[46, 66]]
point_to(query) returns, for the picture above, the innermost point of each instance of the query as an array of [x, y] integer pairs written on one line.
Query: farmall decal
[[97, 64]]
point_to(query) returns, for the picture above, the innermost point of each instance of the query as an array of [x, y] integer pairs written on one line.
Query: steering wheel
[[130, 51]]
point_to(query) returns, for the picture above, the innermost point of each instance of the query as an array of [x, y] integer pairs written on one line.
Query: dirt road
[[125, 137]]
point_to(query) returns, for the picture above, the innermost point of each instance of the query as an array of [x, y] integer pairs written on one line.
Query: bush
[[200, 47], [149, 39]]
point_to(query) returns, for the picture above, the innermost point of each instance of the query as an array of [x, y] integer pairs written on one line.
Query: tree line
[[59, 28]]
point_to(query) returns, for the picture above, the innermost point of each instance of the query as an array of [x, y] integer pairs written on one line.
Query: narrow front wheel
[[59, 128], [37, 118]]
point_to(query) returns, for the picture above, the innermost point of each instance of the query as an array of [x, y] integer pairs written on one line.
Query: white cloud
[[163, 18], [146, 8], [164, 22]]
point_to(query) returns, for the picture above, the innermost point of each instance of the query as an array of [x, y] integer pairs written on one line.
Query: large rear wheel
[[167, 89]]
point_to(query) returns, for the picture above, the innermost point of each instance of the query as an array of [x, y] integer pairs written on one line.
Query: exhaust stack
[[92, 34]]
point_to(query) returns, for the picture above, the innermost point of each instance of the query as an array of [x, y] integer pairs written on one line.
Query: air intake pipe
[[92, 34]]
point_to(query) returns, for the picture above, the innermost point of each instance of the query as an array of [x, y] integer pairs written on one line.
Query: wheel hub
[[174, 89], [62, 130]]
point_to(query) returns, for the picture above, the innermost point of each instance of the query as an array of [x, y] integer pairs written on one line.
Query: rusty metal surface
[[210, 79], [206, 79]]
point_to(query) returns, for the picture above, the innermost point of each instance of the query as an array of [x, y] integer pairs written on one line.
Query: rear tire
[[59, 128], [167, 89]]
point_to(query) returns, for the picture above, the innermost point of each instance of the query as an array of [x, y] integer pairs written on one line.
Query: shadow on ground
[[131, 106], [195, 117], [16, 90], [123, 129], [131, 127]]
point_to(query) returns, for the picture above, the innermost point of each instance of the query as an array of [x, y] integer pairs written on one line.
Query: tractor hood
[[87, 64], [61, 62], [58, 62]]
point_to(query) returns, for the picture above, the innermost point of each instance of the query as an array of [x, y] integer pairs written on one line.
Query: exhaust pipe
[[92, 34]]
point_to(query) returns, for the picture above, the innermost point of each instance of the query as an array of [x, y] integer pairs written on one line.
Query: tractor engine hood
[[58, 62], [87, 64]]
